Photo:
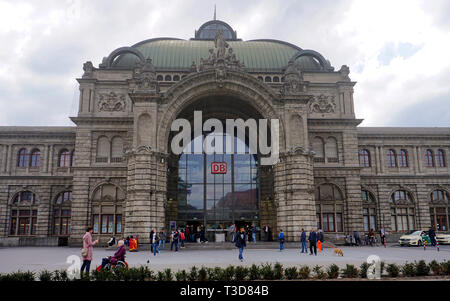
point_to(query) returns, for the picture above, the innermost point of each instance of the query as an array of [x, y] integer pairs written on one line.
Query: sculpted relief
[[111, 102], [323, 104]]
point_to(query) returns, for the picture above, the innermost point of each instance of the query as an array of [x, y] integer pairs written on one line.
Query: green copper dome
[[174, 54]]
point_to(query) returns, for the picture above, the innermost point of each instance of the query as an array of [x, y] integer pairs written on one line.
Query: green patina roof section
[[179, 54]]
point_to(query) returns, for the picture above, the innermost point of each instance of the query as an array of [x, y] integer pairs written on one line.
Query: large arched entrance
[[198, 193]]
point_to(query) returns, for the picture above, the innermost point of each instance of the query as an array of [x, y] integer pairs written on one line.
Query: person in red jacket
[[182, 238]]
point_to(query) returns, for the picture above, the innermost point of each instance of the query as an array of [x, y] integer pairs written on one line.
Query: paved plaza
[[41, 258]]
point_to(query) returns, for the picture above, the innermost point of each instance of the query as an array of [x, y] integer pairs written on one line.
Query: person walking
[[312, 242], [320, 235], [240, 243], [432, 236], [232, 232], [357, 238], [254, 233], [162, 240], [281, 239], [383, 237], [303, 241], [155, 242], [182, 238], [371, 237], [175, 237], [88, 249]]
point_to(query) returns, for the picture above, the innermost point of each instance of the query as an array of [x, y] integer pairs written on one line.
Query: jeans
[[312, 245], [155, 248], [182, 242], [254, 237], [281, 245], [174, 242], [304, 247], [87, 265], [241, 250], [163, 243]]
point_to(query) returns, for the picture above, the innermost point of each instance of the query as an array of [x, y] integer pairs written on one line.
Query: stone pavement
[[41, 258]]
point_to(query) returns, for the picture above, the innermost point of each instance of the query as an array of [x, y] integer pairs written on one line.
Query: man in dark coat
[[312, 242], [303, 241], [241, 243], [432, 236]]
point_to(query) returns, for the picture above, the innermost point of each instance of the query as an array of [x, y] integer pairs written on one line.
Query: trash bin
[[220, 237]]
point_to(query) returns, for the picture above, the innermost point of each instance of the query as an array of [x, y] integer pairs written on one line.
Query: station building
[[114, 168]]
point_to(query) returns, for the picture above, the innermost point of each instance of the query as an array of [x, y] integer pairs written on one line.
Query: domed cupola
[[209, 29]]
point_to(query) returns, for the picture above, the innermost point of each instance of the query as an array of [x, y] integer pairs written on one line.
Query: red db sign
[[219, 168]]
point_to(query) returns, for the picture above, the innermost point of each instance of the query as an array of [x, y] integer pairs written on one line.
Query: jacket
[[312, 237], [281, 237], [88, 244], [119, 255], [240, 240], [321, 236], [303, 236]]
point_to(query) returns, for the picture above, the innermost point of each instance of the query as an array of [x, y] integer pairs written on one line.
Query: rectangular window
[[95, 223], [107, 223], [13, 226], [366, 223], [33, 225], [119, 223], [339, 222]]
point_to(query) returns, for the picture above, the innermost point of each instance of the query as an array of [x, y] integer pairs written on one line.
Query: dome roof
[[170, 54]]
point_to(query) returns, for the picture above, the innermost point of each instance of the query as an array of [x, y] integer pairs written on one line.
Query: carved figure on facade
[[293, 80], [111, 102], [144, 77], [323, 104], [88, 69], [221, 60], [345, 71]]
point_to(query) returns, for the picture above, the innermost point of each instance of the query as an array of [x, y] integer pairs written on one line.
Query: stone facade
[[120, 157]]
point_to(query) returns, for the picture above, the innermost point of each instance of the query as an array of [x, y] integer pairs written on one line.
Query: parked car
[[443, 238], [415, 238]]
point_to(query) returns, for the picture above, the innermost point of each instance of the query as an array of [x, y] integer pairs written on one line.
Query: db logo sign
[[218, 167]]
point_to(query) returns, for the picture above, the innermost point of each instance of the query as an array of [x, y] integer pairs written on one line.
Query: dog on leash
[[338, 252]]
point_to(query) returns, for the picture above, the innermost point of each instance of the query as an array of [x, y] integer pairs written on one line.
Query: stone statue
[[220, 44]]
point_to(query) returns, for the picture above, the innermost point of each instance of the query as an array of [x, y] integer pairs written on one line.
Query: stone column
[[353, 220], [422, 207], [4, 214], [294, 198], [146, 192]]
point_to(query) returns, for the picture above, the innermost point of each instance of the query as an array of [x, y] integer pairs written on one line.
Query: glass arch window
[[209, 31], [403, 158], [22, 160], [364, 158], [391, 160], [369, 211], [429, 162], [217, 199], [159, 78], [329, 208], [440, 158], [107, 207], [176, 78], [168, 78], [402, 211], [64, 158], [268, 79], [276, 79], [62, 214], [439, 210], [35, 158], [23, 217]]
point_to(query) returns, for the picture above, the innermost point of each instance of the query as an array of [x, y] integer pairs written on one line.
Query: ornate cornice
[[102, 120]]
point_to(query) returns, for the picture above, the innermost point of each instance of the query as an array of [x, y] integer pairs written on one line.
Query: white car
[[443, 238], [414, 238]]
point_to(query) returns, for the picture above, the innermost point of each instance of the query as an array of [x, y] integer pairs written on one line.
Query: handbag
[[84, 252]]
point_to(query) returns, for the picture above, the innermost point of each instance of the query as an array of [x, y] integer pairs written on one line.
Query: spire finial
[[214, 12]]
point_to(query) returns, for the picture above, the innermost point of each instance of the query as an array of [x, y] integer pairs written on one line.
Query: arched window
[[429, 162], [62, 213], [103, 150], [107, 207], [268, 79], [116, 149], [369, 211], [23, 219], [439, 209], [440, 158], [64, 158], [176, 78], [22, 159], [260, 78], [364, 158], [331, 150], [168, 78], [159, 78], [402, 211], [35, 158], [329, 208], [276, 79], [317, 145], [391, 158], [403, 158]]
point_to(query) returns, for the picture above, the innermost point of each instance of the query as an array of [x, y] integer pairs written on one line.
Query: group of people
[[250, 232], [314, 238], [88, 247], [369, 238], [158, 240], [195, 234]]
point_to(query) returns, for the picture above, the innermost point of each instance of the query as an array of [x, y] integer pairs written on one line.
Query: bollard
[[437, 245], [424, 245]]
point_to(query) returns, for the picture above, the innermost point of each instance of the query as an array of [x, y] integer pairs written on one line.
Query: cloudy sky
[[397, 51]]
